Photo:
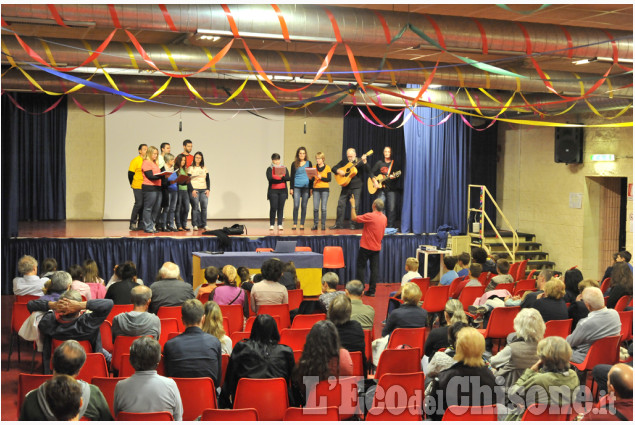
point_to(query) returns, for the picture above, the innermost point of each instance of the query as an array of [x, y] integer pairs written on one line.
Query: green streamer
[[523, 12]]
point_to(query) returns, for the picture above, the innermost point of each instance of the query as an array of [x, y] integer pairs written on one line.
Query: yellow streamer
[[286, 64], [90, 51], [328, 74], [210, 57], [233, 95], [518, 88], [393, 81], [133, 61], [170, 58], [459, 74], [51, 93], [49, 54]]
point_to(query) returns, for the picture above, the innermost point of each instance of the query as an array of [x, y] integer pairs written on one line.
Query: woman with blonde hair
[[151, 189], [520, 353], [549, 381], [92, 279], [438, 337], [227, 292], [320, 190], [409, 315], [466, 382], [213, 325], [551, 304]]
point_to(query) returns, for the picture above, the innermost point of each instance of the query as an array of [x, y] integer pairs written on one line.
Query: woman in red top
[[277, 191], [151, 189]]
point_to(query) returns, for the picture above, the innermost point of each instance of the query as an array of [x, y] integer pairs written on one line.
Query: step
[[539, 264], [522, 246], [528, 237], [525, 255]]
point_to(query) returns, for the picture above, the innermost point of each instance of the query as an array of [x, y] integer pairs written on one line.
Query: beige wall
[[533, 191], [85, 159], [323, 134]]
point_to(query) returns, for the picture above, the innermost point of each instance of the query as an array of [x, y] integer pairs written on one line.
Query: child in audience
[[211, 277], [464, 264], [449, 262], [412, 271], [475, 271], [245, 278], [502, 267], [49, 265], [92, 279]]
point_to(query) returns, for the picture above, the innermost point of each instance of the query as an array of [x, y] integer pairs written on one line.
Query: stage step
[[525, 255], [522, 246]]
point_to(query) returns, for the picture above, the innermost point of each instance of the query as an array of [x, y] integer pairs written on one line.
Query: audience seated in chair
[[211, 277], [503, 276], [529, 298], [77, 274], [245, 279], [170, 290], [618, 257], [412, 272], [360, 312], [68, 359], [479, 256], [438, 337], [193, 353], [227, 291], [350, 332], [449, 262], [620, 387], [475, 271], [289, 277], [268, 290], [550, 304], [330, 281], [30, 283], [464, 264], [213, 325], [572, 278], [409, 315], [58, 283], [137, 322], [119, 292], [147, 391], [442, 360], [577, 309], [621, 283]]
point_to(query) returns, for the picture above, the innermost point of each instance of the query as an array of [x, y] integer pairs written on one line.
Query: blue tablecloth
[[254, 260]]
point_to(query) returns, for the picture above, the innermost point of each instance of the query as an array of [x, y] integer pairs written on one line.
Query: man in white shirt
[[165, 148], [30, 283]]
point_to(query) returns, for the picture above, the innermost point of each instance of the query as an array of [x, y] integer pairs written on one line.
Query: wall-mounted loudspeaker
[[569, 145]]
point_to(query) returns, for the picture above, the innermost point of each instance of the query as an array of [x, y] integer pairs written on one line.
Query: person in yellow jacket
[[135, 177], [320, 190]]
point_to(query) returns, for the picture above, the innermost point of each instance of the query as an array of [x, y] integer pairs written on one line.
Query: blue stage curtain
[[34, 160], [435, 188], [150, 253]]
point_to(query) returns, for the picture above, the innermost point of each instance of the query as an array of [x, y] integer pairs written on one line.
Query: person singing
[[301, 187], [151, 189], [276, 191], [354, 188], [387, 191], [320, 190], [199, 192]]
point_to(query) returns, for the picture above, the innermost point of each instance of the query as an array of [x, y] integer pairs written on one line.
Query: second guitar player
[[353, 188]]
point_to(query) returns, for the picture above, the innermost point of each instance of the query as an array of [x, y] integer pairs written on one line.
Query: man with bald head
[[354, 188], [138, 321], [170, 290], [620, 401], [601, 322]]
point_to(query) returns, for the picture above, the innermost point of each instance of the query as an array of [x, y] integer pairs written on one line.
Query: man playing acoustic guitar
[[382, 180], [351, 183]]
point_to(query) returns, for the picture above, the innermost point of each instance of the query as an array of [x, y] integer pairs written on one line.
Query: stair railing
[[483, 215]]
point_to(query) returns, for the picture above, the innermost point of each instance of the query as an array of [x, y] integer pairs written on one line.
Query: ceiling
[[509, 35]]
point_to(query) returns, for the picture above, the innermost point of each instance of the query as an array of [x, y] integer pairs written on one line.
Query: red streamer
[[56, 15], [4, 23], [615, 54], [80, 106], [230, 20], [113, 16], [437, 30], [569, 41], [336, 28], [483, 35], [382, 21], [167, 17], [17, 105], [283, 23]]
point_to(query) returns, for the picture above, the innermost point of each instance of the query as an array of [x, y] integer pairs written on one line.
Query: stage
[[110, 243]]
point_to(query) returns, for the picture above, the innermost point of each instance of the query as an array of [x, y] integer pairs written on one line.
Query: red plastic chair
[[522, 269], [234, 313], [268, 396], [28, 382], [172, 335], [505, 286], [560, 328], [341, 393], [306, 321], [410, 413], [95, 365], [121, 346], [358, 363], [23, 299], [368, 344], [423, 283], [303, 249], [412, 385], [622, 303], [605, 284], [264, 249], [168, 326], [281, 310], [513, 269], [405, 360], [306, 414], [243, 415], [19, 313], [127, 369], [485, 277], [413, 337], [469, 294], [333, 257], [543, 412], [455, 283], [118, 309], [602, 351], [105, 331], [145, 416], [88, 348], [524, 285], [295, 298], [532, 273], [626, 317], [297, 355], [294, 338], [107, 387], [435, 299], [239, 336], [223, 365], [250, 323], [172, 312], [470, 413], [501, 323], [197, 394]]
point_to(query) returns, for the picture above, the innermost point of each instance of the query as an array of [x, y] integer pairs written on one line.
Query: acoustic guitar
[[381, 179], [350, 171]]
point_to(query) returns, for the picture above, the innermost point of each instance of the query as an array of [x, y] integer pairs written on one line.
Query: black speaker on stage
[[569, 145]]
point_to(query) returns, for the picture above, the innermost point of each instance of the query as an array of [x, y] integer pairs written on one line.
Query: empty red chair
[[410, 413], [268, 396], [294, 338], [470, 413], [197, 394], [118, 309], [107, 387], [105, 331], [19, 314], [281, 310], [95, 365], [413, 337], [333, 257], [171, 312], [543, 412], [264, 249], [295, 298], [234, 313], [455, 283], [524, 285], [306, 321], [168, 326], [626, 317], [358, 363], [501, 323], [410, 384], [558, 328], [602, 351], [145, 416], [250, 323], [243, 415], [435, 299], [605, 284], [28, 382], [304, 414], [239, 336], [622, 303], [423, 283], [341, 393], [469, 294], [405, 360], [303, 249]]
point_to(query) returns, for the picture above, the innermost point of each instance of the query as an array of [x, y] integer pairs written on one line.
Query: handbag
[[236, 229]]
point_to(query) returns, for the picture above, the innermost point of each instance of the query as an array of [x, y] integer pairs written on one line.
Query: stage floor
[[256, 228]]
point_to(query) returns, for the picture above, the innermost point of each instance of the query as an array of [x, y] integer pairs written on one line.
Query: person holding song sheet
[[183, 199], [320, 190], [199, 191], [170, 192], [151, 189], [277, 176], [301, 185]]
